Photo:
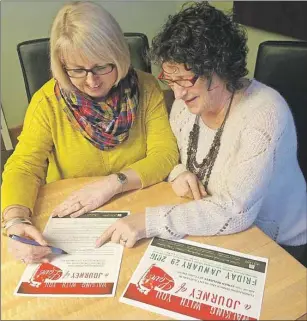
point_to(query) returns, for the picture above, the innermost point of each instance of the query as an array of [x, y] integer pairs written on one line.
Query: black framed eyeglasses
[[186, 83], [83, 72]]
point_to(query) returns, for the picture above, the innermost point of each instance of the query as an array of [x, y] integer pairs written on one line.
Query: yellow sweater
[[49, 149]]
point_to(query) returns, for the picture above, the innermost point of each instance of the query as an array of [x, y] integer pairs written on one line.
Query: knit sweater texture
[[256, 178], [49, 149]]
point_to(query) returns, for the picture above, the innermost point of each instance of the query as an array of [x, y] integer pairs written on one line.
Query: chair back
[[35, 61], [283, 66]]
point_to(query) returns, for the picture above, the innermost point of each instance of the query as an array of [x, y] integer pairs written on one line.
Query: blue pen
[[55, 250]]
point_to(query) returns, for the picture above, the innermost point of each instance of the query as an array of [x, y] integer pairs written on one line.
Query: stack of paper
[[86, 270]]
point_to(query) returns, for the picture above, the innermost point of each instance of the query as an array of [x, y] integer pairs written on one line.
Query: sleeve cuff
[[157, 223], [153, 222], [177, 170], [13, 194]]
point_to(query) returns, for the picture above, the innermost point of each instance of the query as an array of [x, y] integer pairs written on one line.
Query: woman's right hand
[[188, 185], [24, 252]]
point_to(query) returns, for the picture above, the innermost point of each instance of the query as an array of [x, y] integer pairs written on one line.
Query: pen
[[55, 250]]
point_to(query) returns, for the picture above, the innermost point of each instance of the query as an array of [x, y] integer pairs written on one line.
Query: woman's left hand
[[88, 197], [126, 231]]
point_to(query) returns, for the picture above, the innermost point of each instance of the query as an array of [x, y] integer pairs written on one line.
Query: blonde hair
[[85, 28]]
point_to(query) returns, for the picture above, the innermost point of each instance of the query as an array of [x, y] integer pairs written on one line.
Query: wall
[[24, 20], [255, 37]]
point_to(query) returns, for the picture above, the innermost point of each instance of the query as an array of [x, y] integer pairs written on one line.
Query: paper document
[[86, 270], [191, 281]]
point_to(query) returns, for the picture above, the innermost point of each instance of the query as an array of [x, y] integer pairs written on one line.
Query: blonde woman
[[96, 117]]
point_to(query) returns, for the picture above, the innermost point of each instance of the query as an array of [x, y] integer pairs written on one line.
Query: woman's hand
[[126, 231], [88, 197], [24, 252], [188, 185]]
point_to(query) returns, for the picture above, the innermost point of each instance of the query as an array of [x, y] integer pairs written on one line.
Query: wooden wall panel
[[288, 18]]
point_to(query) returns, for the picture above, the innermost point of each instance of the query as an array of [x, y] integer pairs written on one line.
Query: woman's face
[[95, 86], [197, 97]]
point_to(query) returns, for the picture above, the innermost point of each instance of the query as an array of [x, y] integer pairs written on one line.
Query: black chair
[[283, 66], [35, 65]]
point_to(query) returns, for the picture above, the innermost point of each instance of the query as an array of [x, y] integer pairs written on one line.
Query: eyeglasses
[[186, 83], [82, 72]]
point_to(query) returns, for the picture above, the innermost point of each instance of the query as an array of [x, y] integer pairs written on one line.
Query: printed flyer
[[186, 280], [85, 271]]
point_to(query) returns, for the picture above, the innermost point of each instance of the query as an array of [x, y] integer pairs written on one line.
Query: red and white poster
[[191, 281], [85, 271]]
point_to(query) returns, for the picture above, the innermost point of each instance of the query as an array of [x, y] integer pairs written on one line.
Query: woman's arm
[[176, 124], [25, 170], [162, 152], [236, 205], [94, 195]]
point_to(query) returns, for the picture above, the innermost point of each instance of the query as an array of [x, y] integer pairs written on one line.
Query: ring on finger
[[23, 260], [123, 241]]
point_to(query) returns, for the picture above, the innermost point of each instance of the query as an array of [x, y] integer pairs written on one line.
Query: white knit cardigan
[[256, 178]]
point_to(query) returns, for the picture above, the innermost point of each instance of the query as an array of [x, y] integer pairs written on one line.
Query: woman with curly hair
[[236, 137]]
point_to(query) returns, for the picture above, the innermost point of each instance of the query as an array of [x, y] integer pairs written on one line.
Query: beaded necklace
[[203, 170]]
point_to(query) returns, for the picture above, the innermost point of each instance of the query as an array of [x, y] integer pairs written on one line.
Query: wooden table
[[285, 288]]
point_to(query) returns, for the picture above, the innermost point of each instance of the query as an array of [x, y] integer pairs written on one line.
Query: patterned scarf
[[104, 123]]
